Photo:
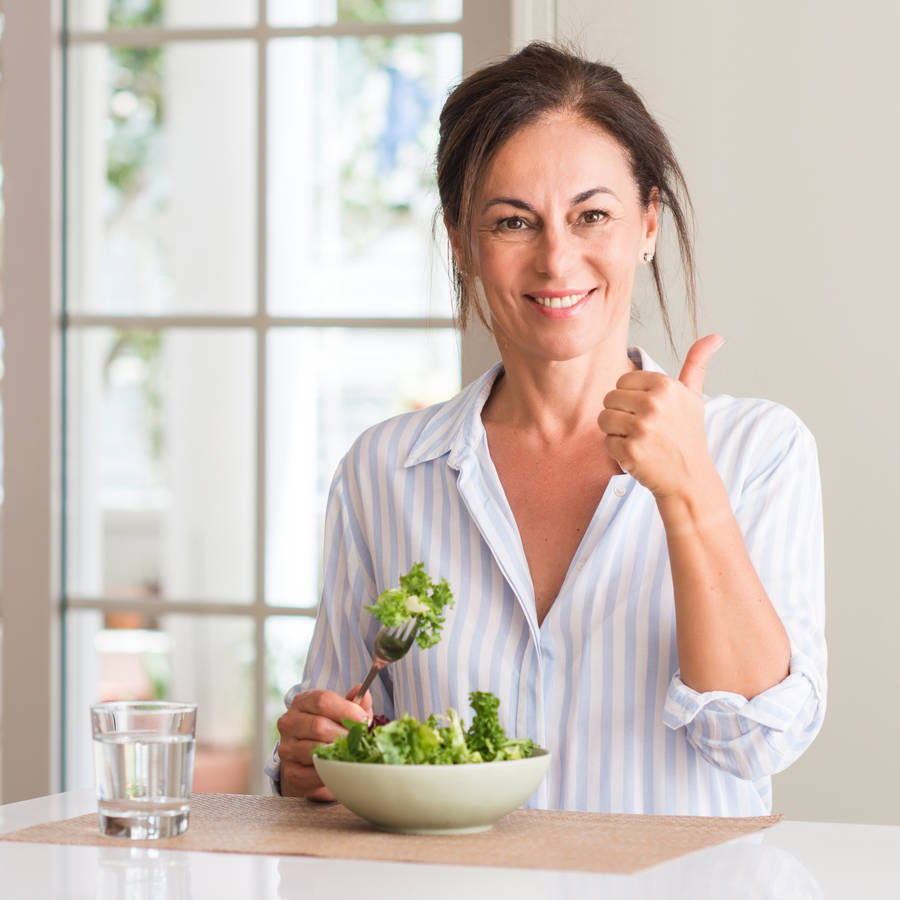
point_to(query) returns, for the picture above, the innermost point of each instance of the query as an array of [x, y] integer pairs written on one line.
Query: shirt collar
[[456, 428]]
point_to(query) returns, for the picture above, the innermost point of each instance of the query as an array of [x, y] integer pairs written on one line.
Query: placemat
[[525, 839]]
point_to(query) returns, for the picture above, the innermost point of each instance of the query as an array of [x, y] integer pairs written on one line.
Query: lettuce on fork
[[406, 741], [418, 597]]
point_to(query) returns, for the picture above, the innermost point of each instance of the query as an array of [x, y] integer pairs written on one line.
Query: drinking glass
[[144, 763]]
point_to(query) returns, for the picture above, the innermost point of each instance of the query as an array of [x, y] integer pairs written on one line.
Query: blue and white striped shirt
[[597, 682]]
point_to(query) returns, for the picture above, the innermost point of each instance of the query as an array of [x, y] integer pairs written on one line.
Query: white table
[[792, 861]]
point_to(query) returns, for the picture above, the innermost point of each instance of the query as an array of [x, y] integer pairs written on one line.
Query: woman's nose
[[555, 251]]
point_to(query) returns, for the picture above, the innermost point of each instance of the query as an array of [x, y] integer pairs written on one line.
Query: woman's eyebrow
[[586, 195], [521, 204], [507, 201]]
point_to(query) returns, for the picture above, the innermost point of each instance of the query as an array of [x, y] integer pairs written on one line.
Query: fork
[[391, 644]]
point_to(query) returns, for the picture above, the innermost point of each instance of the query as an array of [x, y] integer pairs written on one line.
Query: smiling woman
[[482, 116], [638, 567], [535, 226]]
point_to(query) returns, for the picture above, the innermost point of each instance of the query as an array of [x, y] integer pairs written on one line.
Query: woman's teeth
[[560, 302]]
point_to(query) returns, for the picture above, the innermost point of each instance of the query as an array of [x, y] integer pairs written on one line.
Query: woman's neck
[[554, 399]]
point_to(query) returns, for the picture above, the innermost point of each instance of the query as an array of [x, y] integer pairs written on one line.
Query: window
[[250, 284], [249, 280]]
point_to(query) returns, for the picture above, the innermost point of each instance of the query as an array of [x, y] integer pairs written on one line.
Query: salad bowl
[[429, 799]]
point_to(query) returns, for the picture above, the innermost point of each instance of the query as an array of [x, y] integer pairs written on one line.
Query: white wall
[[785, 118]]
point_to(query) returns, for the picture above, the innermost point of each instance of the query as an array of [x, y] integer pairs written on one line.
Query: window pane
[[161, 461], [351, 195], [287, 643], [138, 656], [325, 386], [100, 14], [162, 157], [328, 12]]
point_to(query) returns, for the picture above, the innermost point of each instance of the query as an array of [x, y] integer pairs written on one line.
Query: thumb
[[365, 702], [694, 368]]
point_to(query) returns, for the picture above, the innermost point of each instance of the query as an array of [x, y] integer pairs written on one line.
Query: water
[[143, 783]]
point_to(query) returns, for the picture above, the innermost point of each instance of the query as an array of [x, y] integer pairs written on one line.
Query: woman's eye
[[593, 216], [513, 223]]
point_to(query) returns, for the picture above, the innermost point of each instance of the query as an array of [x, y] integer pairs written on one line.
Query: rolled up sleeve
[[273, 770], [779, 512], [754, 738]]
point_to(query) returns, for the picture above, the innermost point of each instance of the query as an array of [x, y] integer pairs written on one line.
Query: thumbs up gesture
[[654, 424]]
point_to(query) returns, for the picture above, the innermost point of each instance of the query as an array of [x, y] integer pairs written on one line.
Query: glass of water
[[144, 763]]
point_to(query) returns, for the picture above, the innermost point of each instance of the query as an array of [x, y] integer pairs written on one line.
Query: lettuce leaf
[[416, 597]]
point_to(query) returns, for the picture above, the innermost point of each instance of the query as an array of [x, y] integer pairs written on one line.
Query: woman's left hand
[[654, 424]]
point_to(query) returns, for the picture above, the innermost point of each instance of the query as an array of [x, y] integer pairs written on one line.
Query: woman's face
[[558, 232]]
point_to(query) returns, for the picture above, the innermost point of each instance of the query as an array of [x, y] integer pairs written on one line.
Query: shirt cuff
[[775, 708], [273, 770]]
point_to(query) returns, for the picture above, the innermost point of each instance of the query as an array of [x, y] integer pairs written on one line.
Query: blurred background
[[250, 279], [220, 266], [165, 422]]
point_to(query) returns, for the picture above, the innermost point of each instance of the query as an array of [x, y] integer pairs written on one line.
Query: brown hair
[[494, 102]]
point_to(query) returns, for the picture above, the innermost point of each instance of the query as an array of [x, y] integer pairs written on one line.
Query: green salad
[[439, 740], [418, 597], [408, 742]]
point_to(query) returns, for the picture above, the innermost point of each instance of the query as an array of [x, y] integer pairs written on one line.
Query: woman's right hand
[[314, 717]]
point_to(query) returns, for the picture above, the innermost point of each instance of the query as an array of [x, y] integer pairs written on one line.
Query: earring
[[648, 256]]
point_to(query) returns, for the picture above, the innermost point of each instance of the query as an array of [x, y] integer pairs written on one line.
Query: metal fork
[[391, 644]]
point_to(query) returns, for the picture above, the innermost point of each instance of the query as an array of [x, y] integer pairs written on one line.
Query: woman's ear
[[651, 219]]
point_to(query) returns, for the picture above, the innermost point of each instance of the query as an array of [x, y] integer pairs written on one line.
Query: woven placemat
[[525, 839]]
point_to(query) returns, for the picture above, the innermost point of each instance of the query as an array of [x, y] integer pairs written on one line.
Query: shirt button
[[619, 490]]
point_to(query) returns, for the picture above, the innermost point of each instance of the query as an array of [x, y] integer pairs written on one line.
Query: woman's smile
[[560, 304]]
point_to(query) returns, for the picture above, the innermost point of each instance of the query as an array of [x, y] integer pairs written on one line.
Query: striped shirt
[[597, 682]]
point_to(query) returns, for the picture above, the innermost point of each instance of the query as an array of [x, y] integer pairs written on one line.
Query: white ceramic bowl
[[434, 799]]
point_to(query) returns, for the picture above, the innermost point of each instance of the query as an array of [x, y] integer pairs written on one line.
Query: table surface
[[795, 860]]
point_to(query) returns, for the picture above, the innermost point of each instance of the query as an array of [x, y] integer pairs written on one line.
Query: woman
[[637, 567]]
